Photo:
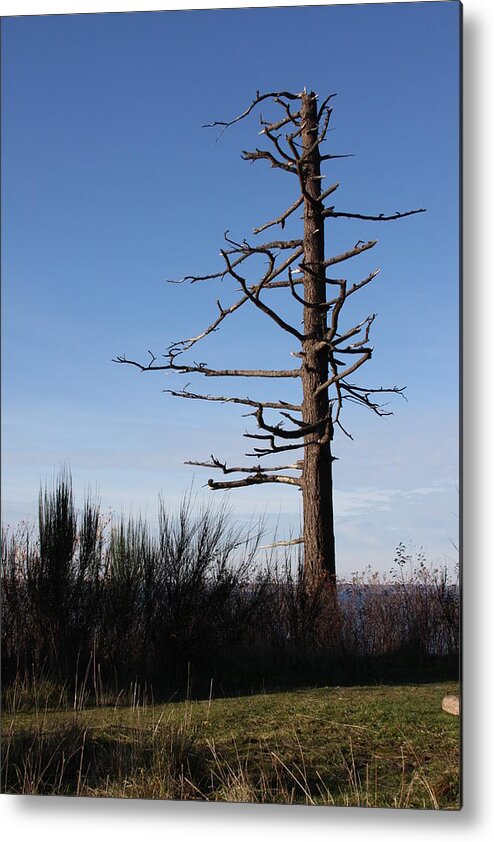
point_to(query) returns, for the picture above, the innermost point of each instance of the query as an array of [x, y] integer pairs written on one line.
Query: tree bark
[[317, 488]]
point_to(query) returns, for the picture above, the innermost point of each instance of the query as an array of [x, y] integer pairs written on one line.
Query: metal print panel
[[231, 405]]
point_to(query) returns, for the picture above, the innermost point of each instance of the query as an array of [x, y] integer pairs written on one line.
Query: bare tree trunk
[[317, 489], [329, 355]]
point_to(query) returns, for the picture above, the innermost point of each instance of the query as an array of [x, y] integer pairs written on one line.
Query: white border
[[38, 7], [55, 819]]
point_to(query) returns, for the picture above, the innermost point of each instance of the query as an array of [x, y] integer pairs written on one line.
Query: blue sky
[[111, 186]]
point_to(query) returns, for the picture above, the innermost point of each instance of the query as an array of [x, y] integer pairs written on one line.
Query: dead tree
[[329, 354]]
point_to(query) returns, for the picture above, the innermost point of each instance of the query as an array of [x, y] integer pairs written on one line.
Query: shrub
[[94, 606]]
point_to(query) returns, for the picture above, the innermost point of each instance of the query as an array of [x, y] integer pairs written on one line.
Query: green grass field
[[382, 746]]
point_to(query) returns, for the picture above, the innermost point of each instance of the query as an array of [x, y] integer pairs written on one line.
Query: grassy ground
[[383, 746]]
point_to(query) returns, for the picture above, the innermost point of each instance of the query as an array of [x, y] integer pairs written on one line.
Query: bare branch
[[275, 141], [277, 430], [330, 212], [257, 479], [337, 377], [361, 395], [273, 127], [260, 248], [326, 193], [323, 306], [260, 304], [323, 106], [319, 137], [357, 249], [244, 255], [252, 469], [370, 277], [260, 154], [343, 430], [271, 283], [280, 220], [244, 401], [354, 331], [336, 312], [291, 543], [324, 130], [274, 448], [201, 368], [245, 250], [292, 419], [182, 345], [275, 95], [330, 157]]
